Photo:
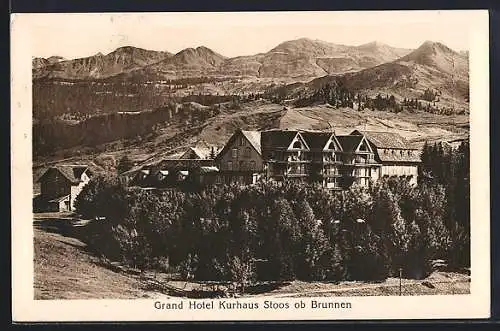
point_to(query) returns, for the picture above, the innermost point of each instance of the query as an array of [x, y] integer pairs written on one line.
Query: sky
[[234, 34]]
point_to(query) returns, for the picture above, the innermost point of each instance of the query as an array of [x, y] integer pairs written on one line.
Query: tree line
[[338, 95], [281, 231], [52, 135]]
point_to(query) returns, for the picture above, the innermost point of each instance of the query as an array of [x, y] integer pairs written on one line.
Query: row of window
[[395, 152], [243, 165], [362, 172], [331, 171], [364, 158], [303, 156], [297, 169], [247, 153]]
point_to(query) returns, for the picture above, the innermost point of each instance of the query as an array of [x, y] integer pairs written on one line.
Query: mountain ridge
[[122, 59], [299, 58]]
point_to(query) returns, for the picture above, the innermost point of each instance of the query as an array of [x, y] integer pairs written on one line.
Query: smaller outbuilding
[[59, 187]]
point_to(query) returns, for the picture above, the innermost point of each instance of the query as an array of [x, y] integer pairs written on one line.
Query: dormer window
[[296, 144]]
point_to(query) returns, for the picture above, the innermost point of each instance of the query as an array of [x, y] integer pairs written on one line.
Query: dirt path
[[407, 288]]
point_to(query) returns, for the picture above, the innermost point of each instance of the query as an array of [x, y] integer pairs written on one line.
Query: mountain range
[[432, 66], [78, 104], [302, 58]]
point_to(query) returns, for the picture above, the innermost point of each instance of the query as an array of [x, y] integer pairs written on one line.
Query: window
[[297, 144], [331, 182], [252, 165], [360, 159], [242, 165], [229, 165], [248, 152], [293, 157], [235, 153], [242, 141], [331, 146]]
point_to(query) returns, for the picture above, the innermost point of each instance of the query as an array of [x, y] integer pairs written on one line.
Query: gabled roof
[[195, 153], [298, 136], [277, 138], [318, 140], [206, 170], [254, 138], [381, 139], [73, 173], [390, 146], [350, 143]]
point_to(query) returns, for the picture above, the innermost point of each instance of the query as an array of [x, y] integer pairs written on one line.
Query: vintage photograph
[[242, 159]]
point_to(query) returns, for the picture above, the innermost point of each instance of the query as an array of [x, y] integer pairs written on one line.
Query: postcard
[[250, 166]]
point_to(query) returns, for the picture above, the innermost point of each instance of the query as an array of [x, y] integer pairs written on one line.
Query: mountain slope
[[100, 66], [39, 62], [432, 66], [439, 56], [189, 62]]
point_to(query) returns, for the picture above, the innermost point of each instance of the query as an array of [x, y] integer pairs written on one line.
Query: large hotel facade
[[333, 161]]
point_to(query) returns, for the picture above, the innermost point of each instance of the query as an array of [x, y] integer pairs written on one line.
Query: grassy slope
[[416, 127], [258, 115], [63, 270]]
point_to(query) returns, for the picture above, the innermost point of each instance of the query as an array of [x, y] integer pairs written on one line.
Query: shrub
[[242, 272], [103, 197]]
